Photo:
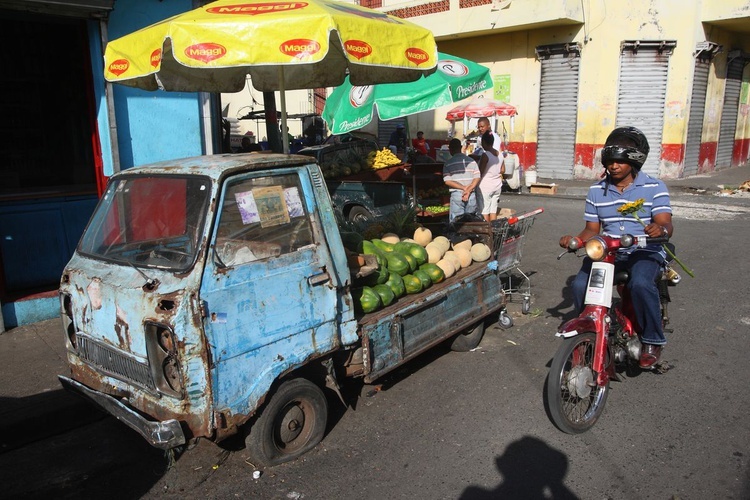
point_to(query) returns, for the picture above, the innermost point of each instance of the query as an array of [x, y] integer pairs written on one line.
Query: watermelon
[[396, 284], [397, 263], [412, 284], [424, 278], [386, 294], [433, 271], [366, 299], [416, 251], [352, 241], [411, 260], [382, 245], [370, 249]]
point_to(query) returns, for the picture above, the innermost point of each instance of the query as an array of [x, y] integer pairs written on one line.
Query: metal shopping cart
[[509, 237]]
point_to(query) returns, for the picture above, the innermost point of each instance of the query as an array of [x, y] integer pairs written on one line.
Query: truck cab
[[196, 284]]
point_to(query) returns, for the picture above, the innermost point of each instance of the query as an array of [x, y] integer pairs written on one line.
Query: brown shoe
[[650, 355]]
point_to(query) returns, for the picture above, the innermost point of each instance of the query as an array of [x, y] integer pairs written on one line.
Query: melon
[[453, 257], [391, 238], [480, 252], [434, 253], [463, 244], [447, 267], [422, 236], [444, 243], [464, 255]]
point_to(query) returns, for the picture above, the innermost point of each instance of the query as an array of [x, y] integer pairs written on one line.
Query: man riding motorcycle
[[624, 153]]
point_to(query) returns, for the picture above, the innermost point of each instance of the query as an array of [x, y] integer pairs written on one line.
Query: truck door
[[268, 287]]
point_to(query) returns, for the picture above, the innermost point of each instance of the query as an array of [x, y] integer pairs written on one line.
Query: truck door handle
[[317, 279]]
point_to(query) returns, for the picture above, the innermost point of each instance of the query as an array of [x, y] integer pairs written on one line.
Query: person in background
[[461, 175], [248, 146], [397, 141], [483, 125], [420, 144], [624, 153], [491, 168]]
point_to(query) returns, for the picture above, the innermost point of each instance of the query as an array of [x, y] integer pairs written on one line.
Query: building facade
[[677, 69]]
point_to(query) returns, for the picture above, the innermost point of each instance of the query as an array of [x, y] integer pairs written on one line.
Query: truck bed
[[414, 323]]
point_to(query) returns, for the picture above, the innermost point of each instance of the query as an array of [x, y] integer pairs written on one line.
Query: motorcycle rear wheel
[[575, 400]]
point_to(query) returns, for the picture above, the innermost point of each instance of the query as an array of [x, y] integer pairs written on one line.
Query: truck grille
[[115, 363]]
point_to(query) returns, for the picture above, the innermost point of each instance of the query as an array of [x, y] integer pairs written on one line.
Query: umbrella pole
[[284, 130]]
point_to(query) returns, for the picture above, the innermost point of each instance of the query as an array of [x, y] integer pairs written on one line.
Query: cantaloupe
[[453, 257], [434, 253], [480, 252], [447, 267], [463, 244], [464, 255], [444, 243], [422, 236], [390, 238]]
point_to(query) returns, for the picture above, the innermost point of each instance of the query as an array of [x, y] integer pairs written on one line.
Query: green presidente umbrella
[[352, 107]]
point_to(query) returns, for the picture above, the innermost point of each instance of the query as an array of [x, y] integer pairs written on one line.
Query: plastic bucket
[[530, 177]]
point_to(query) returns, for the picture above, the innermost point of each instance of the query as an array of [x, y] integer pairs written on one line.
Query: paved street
[[473, 425]]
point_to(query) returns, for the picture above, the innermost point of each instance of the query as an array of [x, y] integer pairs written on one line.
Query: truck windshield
[[149, 221]]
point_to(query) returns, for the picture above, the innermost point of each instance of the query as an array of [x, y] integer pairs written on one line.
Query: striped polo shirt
[[604, 199]]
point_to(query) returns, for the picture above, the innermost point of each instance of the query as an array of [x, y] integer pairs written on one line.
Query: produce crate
[[543, 189]]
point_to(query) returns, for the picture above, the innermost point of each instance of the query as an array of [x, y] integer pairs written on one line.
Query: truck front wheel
[[292, 423], [359, 214]]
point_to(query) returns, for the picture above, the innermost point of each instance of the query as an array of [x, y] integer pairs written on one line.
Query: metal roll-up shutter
[[729, 112], [558, 110], [695, 118], [385, 129], [642, 93]]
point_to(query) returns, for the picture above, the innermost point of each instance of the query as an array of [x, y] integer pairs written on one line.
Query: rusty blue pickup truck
[[212, 296]]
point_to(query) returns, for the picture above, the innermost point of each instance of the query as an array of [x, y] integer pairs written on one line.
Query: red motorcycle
[[603, 338]]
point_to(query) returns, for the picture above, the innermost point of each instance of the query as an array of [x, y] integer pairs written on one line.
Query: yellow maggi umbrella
[[282, 45]]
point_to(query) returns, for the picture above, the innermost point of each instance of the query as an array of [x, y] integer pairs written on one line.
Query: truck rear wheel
[[292, 423], [469, 339]]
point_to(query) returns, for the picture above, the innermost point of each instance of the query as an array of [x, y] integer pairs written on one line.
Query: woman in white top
[[491, 168]]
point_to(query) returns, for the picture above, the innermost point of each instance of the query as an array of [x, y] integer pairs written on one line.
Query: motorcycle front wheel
[[574, 398]]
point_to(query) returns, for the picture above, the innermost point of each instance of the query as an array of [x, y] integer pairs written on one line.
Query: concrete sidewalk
[[33, 405]]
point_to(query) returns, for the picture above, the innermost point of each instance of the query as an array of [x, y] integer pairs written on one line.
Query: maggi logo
[[417, 56], [205, 52], [257, 8], [119, 66], [155, 58], [358, 48], [299, 47]]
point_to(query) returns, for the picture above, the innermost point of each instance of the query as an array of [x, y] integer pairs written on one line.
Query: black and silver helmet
[[626, 145]]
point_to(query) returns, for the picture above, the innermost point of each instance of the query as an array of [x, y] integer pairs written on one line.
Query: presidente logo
[[119, 66], [205, 52], [155, 58], [253, 9], [358, 96], [357, 48], [417, 56], [452, 68], [299, 47]]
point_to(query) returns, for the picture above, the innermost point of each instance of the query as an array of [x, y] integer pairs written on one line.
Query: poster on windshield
[[271, 204]]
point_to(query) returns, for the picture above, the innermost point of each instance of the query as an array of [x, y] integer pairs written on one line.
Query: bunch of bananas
[[382, 158]]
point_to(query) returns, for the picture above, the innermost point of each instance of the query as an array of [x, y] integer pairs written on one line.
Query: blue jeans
[[459, 207], [643, 267]]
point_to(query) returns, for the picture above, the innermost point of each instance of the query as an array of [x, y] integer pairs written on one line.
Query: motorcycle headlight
[[596, 249]]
